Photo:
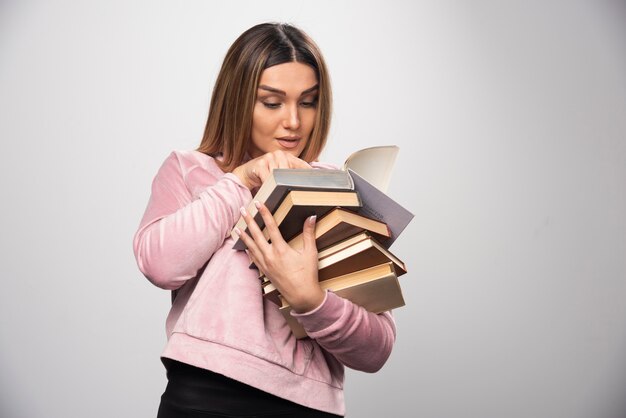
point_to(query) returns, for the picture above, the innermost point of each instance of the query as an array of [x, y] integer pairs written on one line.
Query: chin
[[295, 153]]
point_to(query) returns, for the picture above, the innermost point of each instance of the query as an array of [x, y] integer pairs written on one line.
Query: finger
[[295, 162], [262, 171], [308, 234], [271, 162], [270, 224], [256, 262], [255, 175], [282, 160], [254, 231], [253, 250], [264, 165]]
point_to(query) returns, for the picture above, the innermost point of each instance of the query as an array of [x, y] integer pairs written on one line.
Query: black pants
[[197, 393]]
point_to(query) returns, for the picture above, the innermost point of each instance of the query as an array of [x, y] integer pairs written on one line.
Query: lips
[[289, 142]]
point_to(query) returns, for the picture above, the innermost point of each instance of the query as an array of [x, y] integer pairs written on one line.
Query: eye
[[309, 103], [271, 105]]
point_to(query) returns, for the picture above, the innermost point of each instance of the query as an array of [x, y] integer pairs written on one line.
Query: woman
[[230, 352]]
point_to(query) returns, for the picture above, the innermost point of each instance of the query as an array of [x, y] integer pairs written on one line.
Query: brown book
[[363, 252], [339, 224], [341, 245], [298, 205], [353, 254], [282, 181], [376, 289]]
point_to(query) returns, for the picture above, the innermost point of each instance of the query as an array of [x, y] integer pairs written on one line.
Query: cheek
[[262, 123], [309, 121], [257, 119]]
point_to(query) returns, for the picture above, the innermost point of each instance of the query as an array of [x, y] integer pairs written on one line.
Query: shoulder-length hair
[[229, 124]]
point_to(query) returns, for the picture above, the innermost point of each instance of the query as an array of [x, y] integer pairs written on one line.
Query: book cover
[[377, 205]]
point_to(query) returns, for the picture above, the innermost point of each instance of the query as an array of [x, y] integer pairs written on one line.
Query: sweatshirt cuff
[[322, 317]]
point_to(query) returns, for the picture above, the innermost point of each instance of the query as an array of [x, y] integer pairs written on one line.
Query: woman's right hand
[[253, 173]]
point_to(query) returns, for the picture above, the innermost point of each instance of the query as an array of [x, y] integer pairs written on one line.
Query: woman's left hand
[[294, 273]]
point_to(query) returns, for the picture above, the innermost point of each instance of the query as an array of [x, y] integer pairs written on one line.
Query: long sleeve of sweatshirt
[[182, 228], [347, 330]]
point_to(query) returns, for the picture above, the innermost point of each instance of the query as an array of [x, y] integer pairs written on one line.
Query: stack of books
[[357, 223]]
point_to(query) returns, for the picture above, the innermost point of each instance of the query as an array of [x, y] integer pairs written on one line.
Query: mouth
[[289, 142]]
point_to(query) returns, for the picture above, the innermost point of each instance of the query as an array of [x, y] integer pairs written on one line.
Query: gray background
[[511, 118]]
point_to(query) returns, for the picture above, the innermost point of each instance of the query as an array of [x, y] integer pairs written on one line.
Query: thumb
[[308, 233]]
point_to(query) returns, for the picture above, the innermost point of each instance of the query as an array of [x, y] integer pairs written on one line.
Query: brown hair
[[229, 123]]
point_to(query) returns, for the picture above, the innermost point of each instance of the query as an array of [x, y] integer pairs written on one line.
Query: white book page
[[374, 164]]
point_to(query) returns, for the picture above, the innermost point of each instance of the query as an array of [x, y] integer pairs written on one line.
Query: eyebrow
[[282, 93]]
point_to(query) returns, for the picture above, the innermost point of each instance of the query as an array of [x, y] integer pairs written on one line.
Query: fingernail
[[312, 219], [243, 211], [237, 231], [257, 204]]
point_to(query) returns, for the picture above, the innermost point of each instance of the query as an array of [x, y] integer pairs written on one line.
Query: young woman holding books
[[230, 352]]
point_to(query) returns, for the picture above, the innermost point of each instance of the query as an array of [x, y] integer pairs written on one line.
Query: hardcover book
[[298, 205], [376, 289], [340, 224]]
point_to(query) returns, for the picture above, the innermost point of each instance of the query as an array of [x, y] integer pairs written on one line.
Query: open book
[[374, 165], [367, 171]]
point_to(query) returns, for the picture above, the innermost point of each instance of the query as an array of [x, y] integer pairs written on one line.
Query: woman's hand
[[253, 173], [294, 273]]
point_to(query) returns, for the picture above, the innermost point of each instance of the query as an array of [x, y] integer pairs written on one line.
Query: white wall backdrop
[[511, 118]]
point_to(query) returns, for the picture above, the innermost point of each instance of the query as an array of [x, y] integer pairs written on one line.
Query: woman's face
[[284, 109]]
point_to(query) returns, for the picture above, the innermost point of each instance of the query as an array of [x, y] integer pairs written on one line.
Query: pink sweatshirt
[[219, 319]]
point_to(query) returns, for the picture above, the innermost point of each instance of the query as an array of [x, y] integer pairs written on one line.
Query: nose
[[291, 120]]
